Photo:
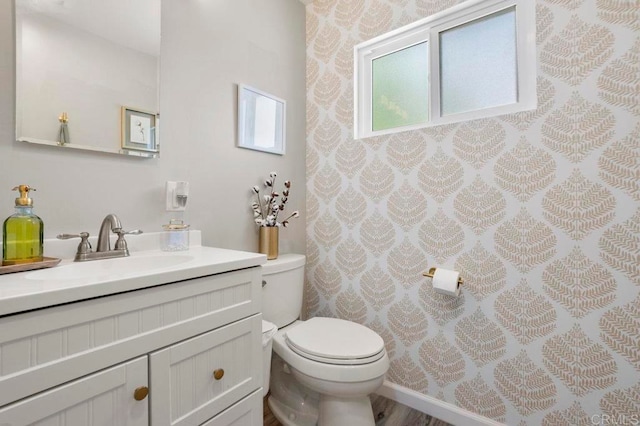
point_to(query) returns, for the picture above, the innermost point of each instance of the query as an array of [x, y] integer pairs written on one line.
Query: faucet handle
[[84, 246], [121, 243]]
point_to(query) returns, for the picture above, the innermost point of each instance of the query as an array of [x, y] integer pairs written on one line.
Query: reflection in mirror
[[84, 60], [261, 120]]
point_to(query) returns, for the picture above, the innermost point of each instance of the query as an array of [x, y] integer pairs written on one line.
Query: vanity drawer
[[194, 380], [44, 348]]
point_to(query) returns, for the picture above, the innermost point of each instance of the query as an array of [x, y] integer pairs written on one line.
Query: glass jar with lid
[[175, 236]]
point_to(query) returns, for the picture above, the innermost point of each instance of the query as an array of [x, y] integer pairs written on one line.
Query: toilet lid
[[335, 341]]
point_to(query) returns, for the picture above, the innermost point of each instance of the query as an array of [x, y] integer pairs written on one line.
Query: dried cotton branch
[[268, 207]]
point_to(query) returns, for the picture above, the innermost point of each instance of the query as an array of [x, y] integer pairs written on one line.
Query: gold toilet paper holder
[[433, 271]]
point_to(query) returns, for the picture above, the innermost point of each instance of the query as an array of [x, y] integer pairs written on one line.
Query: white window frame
[[428, 30]]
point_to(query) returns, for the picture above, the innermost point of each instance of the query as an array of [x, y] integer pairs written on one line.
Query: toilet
[[322, 369]]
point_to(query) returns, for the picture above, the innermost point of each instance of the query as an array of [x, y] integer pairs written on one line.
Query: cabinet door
[[105, 398], [247, 412], [194, 380]]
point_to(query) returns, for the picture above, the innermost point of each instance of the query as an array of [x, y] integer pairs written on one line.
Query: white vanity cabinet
[[194, 345]]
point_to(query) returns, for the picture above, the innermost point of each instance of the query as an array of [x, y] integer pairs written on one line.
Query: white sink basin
[[109, 267]]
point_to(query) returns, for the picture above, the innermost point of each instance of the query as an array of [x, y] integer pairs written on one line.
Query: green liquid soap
[[22, 238], [22, 235]]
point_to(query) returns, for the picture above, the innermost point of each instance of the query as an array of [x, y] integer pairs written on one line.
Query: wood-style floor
[[268, 417]]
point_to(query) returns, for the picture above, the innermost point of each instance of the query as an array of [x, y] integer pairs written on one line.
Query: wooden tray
[[47, 262]]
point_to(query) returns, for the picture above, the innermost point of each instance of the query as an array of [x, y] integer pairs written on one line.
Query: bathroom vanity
[[156, 338]]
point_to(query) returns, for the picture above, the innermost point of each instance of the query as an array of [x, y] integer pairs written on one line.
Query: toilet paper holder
[[433, 271]]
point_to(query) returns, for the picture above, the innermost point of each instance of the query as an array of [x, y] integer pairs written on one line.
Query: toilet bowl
[[342, 361], [322, 369]]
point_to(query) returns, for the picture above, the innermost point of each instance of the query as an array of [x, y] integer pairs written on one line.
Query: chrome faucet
[[110, 223]]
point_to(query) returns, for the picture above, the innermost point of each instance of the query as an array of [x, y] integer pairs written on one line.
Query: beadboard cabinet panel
[[89, 401], [186, 388], [44, 348]]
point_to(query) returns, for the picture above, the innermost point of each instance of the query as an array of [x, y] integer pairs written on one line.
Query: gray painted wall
[[207, 48]]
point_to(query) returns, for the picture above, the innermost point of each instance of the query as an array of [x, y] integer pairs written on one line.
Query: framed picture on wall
[[139, 130], [261, 120]]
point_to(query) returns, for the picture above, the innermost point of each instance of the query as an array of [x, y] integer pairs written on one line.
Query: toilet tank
[[282, 289]]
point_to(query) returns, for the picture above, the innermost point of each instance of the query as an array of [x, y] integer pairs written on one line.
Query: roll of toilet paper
[[445, 281]]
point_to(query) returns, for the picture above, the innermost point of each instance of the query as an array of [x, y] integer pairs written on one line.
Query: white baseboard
[[433, 407]]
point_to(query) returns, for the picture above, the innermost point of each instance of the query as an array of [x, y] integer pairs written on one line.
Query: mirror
[[79, 65], [261, 120]]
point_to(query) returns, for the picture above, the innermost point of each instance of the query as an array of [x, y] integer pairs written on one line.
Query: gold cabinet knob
[[140, 393], [217, 374]]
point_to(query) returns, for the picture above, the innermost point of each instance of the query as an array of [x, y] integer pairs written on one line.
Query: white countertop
[[69, 282]]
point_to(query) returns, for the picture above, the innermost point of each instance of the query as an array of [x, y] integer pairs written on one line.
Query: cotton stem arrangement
[[269, 206]]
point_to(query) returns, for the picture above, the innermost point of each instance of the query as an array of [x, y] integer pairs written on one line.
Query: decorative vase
[[269, 241]]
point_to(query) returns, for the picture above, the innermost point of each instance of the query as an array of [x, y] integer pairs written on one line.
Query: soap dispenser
[[22, 232]]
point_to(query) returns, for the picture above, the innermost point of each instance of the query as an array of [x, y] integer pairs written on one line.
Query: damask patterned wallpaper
[[539, 211]]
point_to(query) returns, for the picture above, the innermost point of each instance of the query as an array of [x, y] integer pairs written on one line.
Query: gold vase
[[269, 241]]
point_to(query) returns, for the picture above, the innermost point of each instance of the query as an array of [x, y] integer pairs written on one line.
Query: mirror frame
[[247, 118]]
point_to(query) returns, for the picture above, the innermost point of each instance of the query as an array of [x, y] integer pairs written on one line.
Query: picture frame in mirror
[[261, 120], [139, 130]]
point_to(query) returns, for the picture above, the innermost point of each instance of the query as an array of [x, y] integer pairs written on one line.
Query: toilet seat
[[335, 341]]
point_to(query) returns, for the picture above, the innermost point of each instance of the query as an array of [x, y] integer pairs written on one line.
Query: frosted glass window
[[400, 88], [478, 64], [474, 60]]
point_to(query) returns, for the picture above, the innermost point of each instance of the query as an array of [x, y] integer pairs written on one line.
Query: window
[[399, 88], [473, 60]]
